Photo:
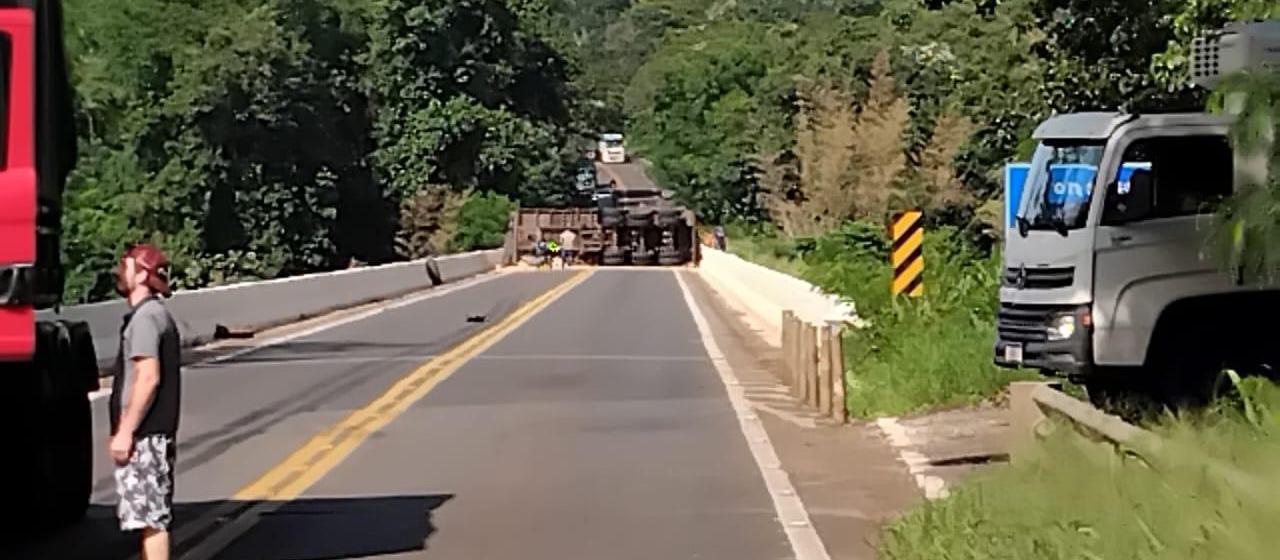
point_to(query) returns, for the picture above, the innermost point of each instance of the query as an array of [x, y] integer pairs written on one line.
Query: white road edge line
[[805, 542], [917, 463], [387, 306]]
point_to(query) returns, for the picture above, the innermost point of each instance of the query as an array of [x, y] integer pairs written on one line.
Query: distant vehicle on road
[[611, 149]]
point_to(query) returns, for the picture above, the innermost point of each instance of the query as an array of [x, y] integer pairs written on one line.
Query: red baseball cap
[[151, 259]]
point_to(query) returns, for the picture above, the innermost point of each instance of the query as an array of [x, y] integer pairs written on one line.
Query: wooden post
[[786, 316], [824, 370], [787, 347], [805, 361], [810, 364], [836, 354], [794, 354], [798, 339]]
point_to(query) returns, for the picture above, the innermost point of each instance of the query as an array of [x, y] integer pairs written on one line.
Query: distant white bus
[[611, 149]]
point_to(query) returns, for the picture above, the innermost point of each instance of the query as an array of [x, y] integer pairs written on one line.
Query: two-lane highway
[[582, 418]]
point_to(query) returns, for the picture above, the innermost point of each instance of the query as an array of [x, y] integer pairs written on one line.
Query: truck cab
[[47, 365], [1111, 266], [611, 149]]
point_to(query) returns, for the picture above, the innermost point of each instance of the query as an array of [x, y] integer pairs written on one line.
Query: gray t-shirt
[[149, 331]]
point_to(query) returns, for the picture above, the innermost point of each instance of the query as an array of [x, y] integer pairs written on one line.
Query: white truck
[[1108, 275], [610, 149]]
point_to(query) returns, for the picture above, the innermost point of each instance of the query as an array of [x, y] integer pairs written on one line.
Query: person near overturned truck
[[145, 401], [568, 247]]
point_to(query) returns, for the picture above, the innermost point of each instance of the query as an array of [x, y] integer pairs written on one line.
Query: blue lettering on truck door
[[1070, 183], [1015, 176]]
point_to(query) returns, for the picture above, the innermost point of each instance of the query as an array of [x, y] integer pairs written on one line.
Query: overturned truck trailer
[[633, 227]]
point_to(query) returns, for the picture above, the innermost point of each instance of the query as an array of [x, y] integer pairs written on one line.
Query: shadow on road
[[305, 529]]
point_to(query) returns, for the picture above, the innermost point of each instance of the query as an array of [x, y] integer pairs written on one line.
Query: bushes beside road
[[914, 354], [1078, 499]]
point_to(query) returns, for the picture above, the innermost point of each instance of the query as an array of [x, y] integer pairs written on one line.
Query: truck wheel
[[613, 256], [69, 463], [668, 256], [610, 217], [670, 218], [65, 451], [639, 219], [644, 258]]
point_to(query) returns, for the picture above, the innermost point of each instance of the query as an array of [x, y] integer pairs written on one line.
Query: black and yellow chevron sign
[[907, 257]]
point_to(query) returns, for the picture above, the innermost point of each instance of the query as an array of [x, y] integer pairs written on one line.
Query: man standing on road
[[144, 402], [568, 247]]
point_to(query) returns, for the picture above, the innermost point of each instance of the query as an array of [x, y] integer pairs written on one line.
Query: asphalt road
[[595, 428], [628, 175]]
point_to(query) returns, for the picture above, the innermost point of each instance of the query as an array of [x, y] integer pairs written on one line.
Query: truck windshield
[[1059, 185]]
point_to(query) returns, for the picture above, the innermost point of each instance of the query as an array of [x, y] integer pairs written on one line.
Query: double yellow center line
[[305, 466]]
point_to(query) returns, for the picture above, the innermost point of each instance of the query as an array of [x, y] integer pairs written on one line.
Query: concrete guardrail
[[766, 294], [258, 305]]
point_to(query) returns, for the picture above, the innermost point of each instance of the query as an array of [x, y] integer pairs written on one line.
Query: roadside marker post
[[906, 230]]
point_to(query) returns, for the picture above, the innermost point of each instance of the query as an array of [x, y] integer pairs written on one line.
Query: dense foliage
[[257, 138], [807, 113]]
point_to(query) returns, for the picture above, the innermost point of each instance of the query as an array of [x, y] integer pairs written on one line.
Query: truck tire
[[65, 450], [610, 217], [644, 258], [636, 219], [669, 256], [613, 256], [670, 218]]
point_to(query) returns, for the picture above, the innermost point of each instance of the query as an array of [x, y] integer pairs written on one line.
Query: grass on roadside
[[1075, 498], [916, 354]]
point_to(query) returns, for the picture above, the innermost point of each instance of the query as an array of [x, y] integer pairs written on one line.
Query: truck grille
[[1040, 278], [1024, 323]]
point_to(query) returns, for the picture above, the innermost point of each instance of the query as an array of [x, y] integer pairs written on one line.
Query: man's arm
[[146, 370]]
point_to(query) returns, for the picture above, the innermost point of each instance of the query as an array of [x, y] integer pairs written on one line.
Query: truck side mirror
[[1129, 201]]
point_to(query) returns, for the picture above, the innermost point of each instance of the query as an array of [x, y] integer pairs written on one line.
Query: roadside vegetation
[[912, 354], [1075, 498], [262, 138]]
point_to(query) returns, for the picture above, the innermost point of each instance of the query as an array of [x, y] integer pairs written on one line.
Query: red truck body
[[47, 365], [18, 195]]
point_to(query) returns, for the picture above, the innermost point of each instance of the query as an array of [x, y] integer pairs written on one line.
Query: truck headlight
[[1062, 327]]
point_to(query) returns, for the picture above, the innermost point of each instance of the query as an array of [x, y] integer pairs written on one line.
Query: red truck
[[47, 366]]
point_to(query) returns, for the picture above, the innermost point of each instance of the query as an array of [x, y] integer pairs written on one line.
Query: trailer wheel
[[613, 256], [670, 218], [669, 256], [610, 217], [644, 258], [639, 219]]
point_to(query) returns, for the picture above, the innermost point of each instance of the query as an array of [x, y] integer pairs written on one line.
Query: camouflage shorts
[[145, 485]]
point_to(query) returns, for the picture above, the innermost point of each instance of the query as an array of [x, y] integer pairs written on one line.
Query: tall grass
[[915, 353], [1075, 498]]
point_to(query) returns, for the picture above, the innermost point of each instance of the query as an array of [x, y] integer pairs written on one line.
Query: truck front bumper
[[1022, 340]]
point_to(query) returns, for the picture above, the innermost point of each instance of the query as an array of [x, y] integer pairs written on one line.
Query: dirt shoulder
[[852, 478], [849, 477]]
